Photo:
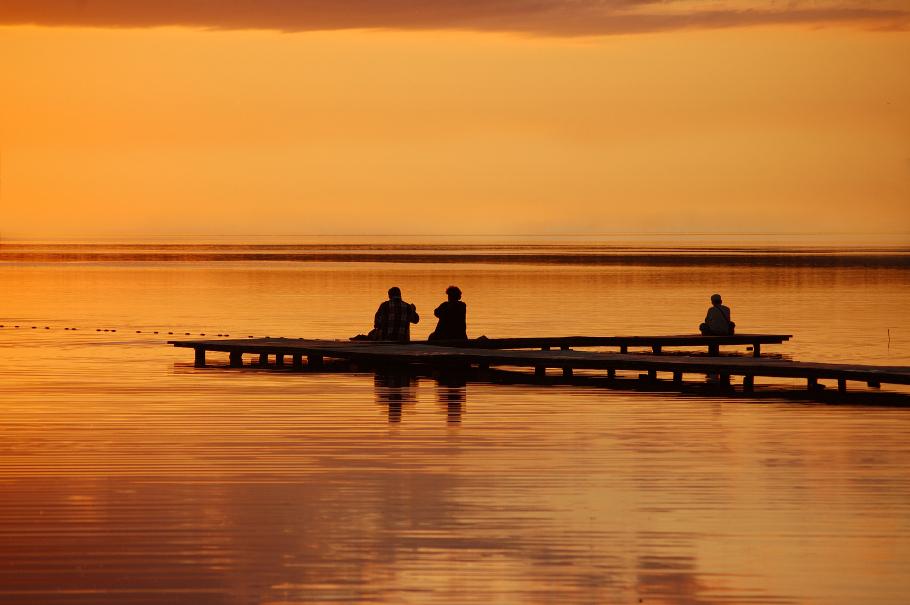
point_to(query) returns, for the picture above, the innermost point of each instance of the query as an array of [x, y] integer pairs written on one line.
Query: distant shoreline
[[506, 255]]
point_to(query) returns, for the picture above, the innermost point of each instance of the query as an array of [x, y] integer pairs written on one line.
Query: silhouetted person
[[394, 318], [452, 313], [717, 322]]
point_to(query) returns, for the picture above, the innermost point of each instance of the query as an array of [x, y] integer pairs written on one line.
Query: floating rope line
[[114, 330]]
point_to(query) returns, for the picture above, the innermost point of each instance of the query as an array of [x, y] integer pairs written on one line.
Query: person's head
[[453, 293], [715, 299], [394, 292]]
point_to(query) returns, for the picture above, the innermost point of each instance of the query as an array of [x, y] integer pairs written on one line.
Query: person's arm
[[414, 316], [438, 309]]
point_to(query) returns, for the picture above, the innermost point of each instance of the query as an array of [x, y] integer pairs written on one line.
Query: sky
[[509, 117]]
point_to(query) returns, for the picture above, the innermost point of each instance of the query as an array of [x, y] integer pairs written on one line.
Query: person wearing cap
[[394, 318], [717, 322]]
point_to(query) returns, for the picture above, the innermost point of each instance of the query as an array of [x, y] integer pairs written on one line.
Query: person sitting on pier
[[394, 318], [452, 324], [717, 322]]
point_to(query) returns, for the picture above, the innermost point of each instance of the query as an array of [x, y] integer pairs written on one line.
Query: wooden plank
[[366, 353]]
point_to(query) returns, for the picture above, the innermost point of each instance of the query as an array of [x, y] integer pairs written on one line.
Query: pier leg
[[544, 348], [279, 360], [297, 362], [314, 360], [567, 372], [874, 385], [611, 374], [656, 349], [841, 385], [200, 358], [263, 360], [756, 350], [483, 367], [236, 359], [623, 349], [566, 348], [677, 376], [725, 379], [540, 372], [812, 383], [749, 384], [652, 374], [714, 350]]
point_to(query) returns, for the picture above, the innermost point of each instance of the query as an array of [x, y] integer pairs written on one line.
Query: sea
[[129, 476]]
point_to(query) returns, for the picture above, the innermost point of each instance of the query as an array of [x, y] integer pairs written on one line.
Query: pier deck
[[384, 354]]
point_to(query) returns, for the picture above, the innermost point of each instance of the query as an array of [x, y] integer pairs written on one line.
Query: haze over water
[[128, 476]]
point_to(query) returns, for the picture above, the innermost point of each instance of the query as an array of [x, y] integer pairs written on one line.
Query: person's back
[[394, 318], [717, 321], [452, 314]]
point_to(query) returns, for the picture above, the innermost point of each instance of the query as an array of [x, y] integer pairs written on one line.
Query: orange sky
[[428, 128]]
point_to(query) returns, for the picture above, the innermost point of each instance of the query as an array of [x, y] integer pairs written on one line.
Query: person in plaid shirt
[[394, 318]]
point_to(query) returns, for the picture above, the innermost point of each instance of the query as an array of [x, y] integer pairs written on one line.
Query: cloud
[[536, 17]]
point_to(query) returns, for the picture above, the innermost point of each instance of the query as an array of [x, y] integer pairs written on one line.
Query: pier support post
[[756, 350], [314, 360], [714, 350], [811, 383], [652, 374], [200, 358], [677, 377], [236, 358], [567, 372], [540, 372], [874, 385], [297, 362], [841, 385], [483, 367], [623, 349], [263, 360], [749, 384], [611, 374], [279, 360], [656, 349], [725, 380], [566, 348]]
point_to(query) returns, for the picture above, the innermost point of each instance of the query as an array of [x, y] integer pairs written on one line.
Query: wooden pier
[[486, 353]]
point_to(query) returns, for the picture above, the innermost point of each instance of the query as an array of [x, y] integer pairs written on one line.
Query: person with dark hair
[[394, 318], [452, 314], [717, 322]]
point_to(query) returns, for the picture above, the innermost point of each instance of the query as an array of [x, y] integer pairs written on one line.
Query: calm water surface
[[128, 476]]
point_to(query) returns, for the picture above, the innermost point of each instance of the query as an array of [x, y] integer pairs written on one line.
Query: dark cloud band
[[537, 17]]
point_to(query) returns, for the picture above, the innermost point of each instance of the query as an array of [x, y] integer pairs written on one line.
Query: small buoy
[[46, 328], [156, 332], [170, 332], [227, 334], [186, 333], [63, 328], [1, 326], [97, 329], [202, 335], [106, 330], [16, 326], [250, 337], [138, 331], [34, 327]]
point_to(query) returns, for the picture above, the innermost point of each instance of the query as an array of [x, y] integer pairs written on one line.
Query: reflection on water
[[128, 476]]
